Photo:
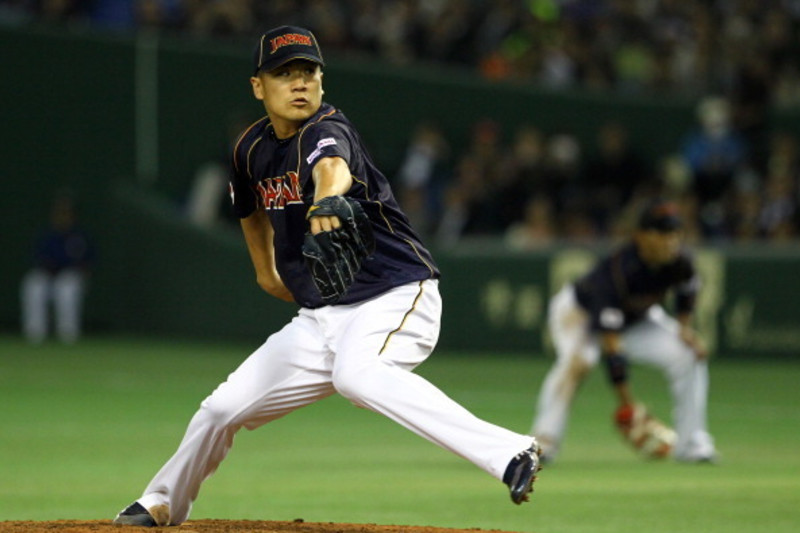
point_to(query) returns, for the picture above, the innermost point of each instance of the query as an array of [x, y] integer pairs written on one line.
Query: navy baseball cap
[[661, 215], [283, 44]]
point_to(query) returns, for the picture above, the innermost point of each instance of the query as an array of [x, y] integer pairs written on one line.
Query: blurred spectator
[[62, 11], [219, 17], [714, 153], [689, 212], [521, 176], [113, 14], [562, 166], [364, 24], [471, 205], [612, 174], [328, 21], [779, 209], [422, 176], [448, 32], [749, 106], [536, 229], [743, 50], [784, 152], [464, 195], [396, 27], [63, 257], [744, 217], [208, 200], [208, 193], [277, 12], [165, 14]]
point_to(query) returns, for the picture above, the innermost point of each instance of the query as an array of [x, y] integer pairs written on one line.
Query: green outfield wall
[[126, 121], [160, 275]]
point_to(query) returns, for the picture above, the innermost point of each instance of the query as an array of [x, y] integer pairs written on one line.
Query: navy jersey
[[619, 289], [58, 250], [275, 175]]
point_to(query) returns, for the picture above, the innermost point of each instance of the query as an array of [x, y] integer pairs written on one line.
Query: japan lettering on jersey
[[277, 192]]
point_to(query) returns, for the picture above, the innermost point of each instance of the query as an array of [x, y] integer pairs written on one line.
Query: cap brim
[[268, 66]]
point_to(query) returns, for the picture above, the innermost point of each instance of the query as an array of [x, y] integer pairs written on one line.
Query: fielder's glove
[[335, 257], [648, 435]]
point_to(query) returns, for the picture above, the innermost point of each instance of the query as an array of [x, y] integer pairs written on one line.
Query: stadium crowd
[[737, 177], [684, 46], [542, 187]]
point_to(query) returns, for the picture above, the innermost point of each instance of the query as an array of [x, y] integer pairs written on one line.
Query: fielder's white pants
[[65, 291], [365, 352], [653, 341]]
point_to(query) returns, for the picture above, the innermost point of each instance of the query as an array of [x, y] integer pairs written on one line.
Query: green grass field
[[83, 428]]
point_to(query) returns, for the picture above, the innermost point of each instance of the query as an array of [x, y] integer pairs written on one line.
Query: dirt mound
[[222, 526]]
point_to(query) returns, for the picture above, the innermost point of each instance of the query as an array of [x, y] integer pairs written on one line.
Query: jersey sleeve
[[327, 139]]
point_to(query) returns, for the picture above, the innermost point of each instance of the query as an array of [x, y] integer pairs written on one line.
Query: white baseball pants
[[653, 341], [365, 352], [65, 291]]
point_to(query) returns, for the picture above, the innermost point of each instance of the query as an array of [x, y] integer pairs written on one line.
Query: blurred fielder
[[614, 313], [63, 260]]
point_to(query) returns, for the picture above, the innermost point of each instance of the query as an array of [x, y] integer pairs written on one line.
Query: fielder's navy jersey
[[618, 291], [275, 175], [58, 250]]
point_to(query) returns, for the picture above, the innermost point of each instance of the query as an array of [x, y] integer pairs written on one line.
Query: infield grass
[[83, 428]]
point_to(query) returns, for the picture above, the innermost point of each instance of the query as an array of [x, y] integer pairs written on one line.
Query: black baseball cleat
[[136, 515], [521, 473]]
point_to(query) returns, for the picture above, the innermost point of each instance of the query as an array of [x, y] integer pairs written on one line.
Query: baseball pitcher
[[323, 230]]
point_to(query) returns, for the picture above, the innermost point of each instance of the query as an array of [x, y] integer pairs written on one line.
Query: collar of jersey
[[273, 137]]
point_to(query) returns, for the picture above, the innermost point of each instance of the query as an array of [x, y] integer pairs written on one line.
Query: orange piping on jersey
[[402, 322], [380, 205], [241, 138], [413, 247], [389, 225], [300, 137], [363, 184], [250, 151]]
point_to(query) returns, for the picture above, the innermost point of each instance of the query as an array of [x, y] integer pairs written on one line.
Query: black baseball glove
[[335, 257]]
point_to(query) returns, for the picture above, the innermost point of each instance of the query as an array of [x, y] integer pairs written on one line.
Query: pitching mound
[[222, 526]]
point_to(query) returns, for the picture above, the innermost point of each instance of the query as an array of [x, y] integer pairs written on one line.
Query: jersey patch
[[328, 141], [611, 318]]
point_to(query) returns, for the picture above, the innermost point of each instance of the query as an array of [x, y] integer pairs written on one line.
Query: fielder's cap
[[283, 44], [660, 215]]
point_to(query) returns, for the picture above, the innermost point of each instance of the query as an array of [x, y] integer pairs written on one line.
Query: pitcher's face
[[291, 93]]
